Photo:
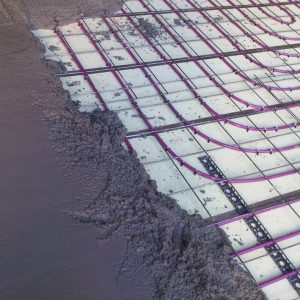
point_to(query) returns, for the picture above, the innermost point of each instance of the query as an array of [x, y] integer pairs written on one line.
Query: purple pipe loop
[[285, 38], [233, 43], [275, 18], [161, 141], [256, 107], [208, 108], [229, 65], [229, 94]]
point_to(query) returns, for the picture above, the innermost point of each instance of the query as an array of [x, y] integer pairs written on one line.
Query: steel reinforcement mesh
[[210, 93]]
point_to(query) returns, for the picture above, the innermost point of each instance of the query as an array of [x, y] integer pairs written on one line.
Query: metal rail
[[255, 213], [258, 229], [265, 244], [200, 121], [180, 60]]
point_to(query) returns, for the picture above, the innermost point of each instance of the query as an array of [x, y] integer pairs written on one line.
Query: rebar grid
[[291, 273]]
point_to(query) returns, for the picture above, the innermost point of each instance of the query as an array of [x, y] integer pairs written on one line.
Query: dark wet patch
[[119, 57], [238, 241], [148, 28], [54, 48], [178, 22], [73, 83]]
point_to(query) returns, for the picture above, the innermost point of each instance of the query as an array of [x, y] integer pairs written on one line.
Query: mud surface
[[56, 203]]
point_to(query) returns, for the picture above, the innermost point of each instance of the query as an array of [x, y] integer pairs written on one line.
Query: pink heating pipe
[[80, 67], [256, 213], [213, 112], [215, 50], [223, 89], [262, 28], [296, 4], [276, 18], [188, 124], [278, 278], [236, 45], [171, 151], [252, 37], [266, 244], [226, 92]]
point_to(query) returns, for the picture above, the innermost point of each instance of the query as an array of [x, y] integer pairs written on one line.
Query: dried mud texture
[[184, 260]]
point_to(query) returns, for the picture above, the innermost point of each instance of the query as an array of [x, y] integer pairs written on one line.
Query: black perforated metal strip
[[260, 232]]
